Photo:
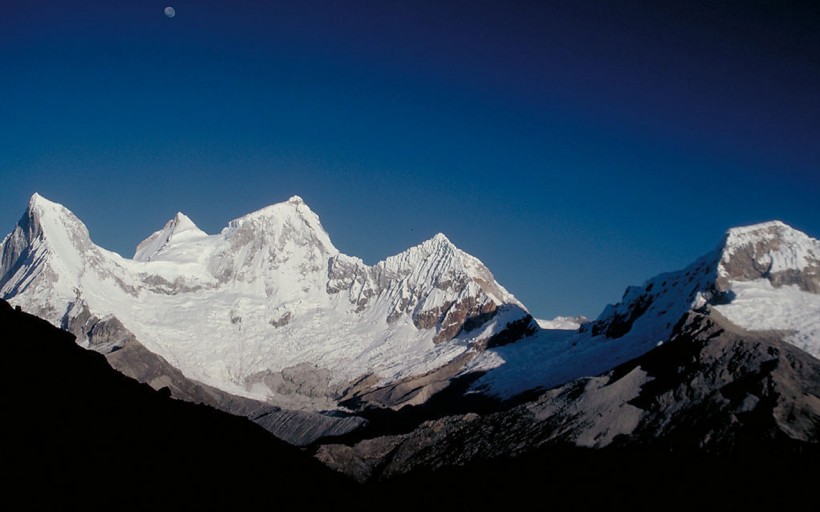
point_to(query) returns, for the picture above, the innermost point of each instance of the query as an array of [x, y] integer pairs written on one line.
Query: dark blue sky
[[575, 147]]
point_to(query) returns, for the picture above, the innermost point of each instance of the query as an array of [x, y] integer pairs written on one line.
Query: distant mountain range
[[423, 361]]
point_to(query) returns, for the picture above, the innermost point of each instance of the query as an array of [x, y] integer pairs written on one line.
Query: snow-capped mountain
[[722, 357], [764, 277], [270, 309], [761, 277], [267, 308]]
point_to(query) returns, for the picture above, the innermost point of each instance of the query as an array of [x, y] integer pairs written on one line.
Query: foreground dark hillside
[[79, 433], [717, 415]]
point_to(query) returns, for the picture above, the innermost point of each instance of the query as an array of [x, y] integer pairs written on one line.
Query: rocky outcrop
[[410, 391], [303, 428], [439, 286], [772, 251], [713, 388], [307, 381], [299, 428]]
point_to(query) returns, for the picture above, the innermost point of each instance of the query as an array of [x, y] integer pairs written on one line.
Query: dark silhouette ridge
[[79, 433]]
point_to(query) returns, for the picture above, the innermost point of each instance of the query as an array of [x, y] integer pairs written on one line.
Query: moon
[[170, 12]]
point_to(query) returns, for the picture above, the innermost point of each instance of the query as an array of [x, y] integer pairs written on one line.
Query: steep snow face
[[49, 257], [178, 230], [268, 294], [645, 318], [764, 277]]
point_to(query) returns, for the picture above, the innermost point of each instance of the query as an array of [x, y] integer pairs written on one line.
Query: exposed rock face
[[411, 391], [514, 331], [102, 335], [720, 388], [439, 286], [713, 388], [659, 304], [302, 428], [300, 383], [772, 251]]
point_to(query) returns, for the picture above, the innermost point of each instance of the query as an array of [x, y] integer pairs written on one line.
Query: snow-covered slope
[[771, 273], [268, 307], [565, 323], [764, 277]]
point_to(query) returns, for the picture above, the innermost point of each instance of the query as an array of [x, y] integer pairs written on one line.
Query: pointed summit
[[37, 198], [437, 243], [179, 229], [54, 222], [440, 238], [183, 221], [39, 205], [50, 234], [291, 221]]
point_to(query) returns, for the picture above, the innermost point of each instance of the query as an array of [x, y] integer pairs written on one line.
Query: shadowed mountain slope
[[79, 433]]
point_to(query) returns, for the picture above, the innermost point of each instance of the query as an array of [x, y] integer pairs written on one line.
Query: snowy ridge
[[268, 293], [566, 323], [766, 271], [645, 318], [764, 277]]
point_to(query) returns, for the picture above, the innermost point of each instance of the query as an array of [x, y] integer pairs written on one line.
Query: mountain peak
[[53, 219], [50, 234], [35, 198], [441, 239], [40, 204], [439, 242], [768, 229], [179, 228], [774, 251], [295, 205], [289, 223], [183, 222]]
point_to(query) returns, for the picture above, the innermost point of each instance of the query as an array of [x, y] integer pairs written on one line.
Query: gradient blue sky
[[575, 147]]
